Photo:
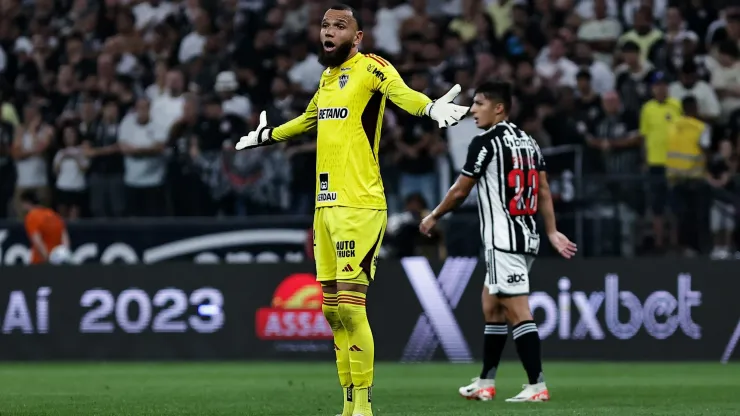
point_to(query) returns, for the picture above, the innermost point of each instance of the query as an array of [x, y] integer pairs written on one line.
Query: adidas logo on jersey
[[348, 269], [355, 348]]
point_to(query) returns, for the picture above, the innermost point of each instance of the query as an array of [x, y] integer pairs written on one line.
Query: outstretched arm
[[480, 154], [299, 125], [264, 135], [454, 198], [388, 81]]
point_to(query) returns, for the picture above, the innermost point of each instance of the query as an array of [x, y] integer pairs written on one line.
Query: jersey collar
[[351, 61]]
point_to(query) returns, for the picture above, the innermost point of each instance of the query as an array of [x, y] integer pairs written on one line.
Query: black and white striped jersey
[[506, 162]]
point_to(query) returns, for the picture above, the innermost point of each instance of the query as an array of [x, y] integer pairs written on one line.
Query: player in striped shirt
[[508, 168]]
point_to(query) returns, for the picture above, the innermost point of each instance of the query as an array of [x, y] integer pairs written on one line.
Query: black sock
[[528, 347], [494, 340]]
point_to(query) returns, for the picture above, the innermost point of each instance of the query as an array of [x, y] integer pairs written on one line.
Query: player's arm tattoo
[[455, 196]]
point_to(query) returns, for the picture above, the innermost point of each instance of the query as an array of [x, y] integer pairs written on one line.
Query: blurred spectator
[[389, 17], [416, 145], [721, 168], [675, 36], [643, 33], [214, 131], [193, 43], [616, 135], [633, 77], [301, 152], [501, 13], [307, 70], [226, 87], [158, 88], [630, 9], [564, 124], [105, 176], [70, 165], [554, 67], [168, 108], [466, 25], [727, 27], [30, 145], [601, 30], [699, 15], [689, 85], [726, 78], [150, 13], [588, 101], [656, 118], [186, 190], [688, 140], [88, 114], [529, 87], [602, 76], [144, 163]]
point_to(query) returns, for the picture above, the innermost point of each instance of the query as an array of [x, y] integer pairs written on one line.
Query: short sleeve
[[541, 165], [480, 154]]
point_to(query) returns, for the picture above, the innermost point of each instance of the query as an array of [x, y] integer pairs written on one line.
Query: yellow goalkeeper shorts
[[347, 242]]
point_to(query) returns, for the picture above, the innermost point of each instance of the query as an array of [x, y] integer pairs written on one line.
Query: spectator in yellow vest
[[688, 140]]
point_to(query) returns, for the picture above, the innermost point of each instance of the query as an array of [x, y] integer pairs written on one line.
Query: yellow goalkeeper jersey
[[347, 111]]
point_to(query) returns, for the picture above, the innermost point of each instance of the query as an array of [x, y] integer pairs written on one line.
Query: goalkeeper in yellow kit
[[350, 218]]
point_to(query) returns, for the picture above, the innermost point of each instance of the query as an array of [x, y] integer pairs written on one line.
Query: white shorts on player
[[507, 274]]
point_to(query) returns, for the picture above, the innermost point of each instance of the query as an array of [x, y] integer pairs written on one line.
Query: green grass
[[283, 389]]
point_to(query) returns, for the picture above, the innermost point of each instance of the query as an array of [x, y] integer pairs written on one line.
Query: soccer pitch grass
[[299, 389]]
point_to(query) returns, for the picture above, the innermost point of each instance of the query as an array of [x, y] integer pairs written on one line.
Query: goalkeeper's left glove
[[262, 136], [444, 112]]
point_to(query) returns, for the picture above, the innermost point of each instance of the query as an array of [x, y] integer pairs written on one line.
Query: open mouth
[[329, 46]]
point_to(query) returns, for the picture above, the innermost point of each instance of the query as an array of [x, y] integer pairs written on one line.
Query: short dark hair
[[498, 91], [29, 197], [355, 14]]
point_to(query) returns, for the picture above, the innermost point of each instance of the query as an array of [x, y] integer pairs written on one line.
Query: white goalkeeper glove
[[262, 136], [444, 112]]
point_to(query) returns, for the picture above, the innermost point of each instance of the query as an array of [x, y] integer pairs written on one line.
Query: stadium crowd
[[132, 107]]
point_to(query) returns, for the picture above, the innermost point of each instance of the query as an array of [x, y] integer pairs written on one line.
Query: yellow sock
[[362, 348], [341, 348]]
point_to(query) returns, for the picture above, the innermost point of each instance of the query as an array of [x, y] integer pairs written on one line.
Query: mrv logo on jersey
[[661, 314], [336, 113]]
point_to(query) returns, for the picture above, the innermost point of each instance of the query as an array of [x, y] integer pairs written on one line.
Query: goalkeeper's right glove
[[444, 112], [262, 136]]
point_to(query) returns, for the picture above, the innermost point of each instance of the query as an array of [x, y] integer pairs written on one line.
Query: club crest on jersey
[[343, 79]]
